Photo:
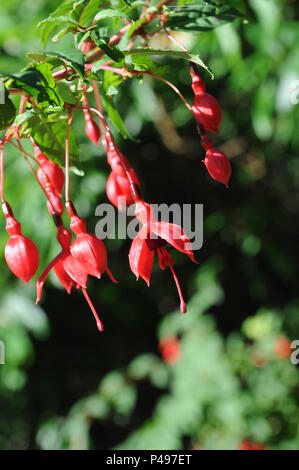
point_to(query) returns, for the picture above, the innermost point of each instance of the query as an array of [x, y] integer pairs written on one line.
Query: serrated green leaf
[[73, 58], [37, 81], [201, 17], [109, 13], [50, 24], [169, 52]]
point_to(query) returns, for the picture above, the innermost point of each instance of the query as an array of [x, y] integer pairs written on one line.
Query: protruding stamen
[[98, 321], [183, 303]]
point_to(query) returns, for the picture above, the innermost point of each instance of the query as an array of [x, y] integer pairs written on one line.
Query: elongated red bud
[[205, 108], [207, 112], [218, 165], [54, 174], [91, 128], [21, 254]]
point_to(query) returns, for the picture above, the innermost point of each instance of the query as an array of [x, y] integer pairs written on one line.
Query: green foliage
[[203, 16], [7, 111]]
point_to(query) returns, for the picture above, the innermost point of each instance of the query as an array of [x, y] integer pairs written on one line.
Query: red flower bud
[[118, 186], [21, 254], [87, 248], [218, 165], [91, 128], [51, 172], [205, 107], [207, 112]]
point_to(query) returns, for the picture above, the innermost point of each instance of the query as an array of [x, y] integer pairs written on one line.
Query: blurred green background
[[65, 386]]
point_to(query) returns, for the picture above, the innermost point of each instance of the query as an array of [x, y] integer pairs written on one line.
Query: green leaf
[[73, 58], [104, 14], [89, 11], [21, 118], [49, 24], [7, 110], [115, 118], [113, 53], [169, 52], [37, 81], [50, 137], [201, 17]]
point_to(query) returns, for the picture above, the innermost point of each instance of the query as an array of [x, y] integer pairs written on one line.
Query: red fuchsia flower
[[205, 107], [87, 248], [52, 170], [69, 270], [248, 445], [216, 162], [118, 187], [170, 349], [282, 347], [91, 128], [51, 178], [153, 238], [21, 253]]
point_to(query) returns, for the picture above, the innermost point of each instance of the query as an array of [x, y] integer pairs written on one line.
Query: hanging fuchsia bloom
[[51, 178], [91, 128], [205, 108], [69, 270], [218, 166], [153, 238], [118, 188], [52, 170], [87, 248], [21, 253]]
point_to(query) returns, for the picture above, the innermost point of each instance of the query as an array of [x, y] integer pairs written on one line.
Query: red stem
[[2, 171], [67, 157]]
